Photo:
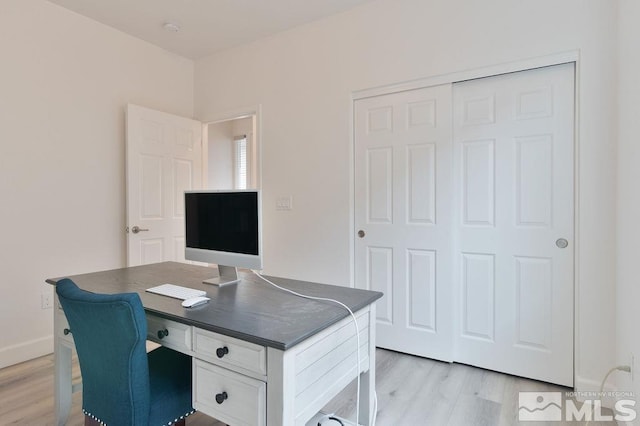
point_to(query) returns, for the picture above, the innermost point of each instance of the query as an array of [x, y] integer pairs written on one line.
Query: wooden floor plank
[[411, 391]]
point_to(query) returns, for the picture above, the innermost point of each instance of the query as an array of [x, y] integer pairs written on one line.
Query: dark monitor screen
[[223, 221]]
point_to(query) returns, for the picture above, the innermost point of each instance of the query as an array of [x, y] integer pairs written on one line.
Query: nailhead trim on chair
[[168, 424], [181, 417], [86, 413]]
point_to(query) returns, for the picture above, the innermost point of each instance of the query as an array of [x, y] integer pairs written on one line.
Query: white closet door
[[513, 150], [403, 214]]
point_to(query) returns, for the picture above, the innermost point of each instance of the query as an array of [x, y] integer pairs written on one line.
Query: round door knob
[[163, 333], [562, 243], [361, 233], [221, 397], [136, 229], [222, 351], [66, 331]]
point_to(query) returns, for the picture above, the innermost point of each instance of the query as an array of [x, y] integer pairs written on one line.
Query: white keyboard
[[176, 291]]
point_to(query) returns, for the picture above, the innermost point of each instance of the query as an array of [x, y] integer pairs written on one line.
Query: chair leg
[[88, 421]]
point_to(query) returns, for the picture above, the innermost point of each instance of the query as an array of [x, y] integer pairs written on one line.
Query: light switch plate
[[284, 203]]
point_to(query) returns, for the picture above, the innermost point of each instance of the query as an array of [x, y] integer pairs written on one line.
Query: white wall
[[304, 79], [64, 84], [242, 126], [628, 253], [220, 166]]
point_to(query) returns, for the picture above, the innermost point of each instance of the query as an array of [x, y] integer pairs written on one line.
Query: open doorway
[[232, 154]]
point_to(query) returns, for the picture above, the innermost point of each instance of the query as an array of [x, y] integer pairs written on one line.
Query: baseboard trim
[[583, 384], [591, 388], [25, 351]]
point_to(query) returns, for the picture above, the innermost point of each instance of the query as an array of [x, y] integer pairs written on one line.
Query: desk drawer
[[231, 353], [169, 333], [241, 399]]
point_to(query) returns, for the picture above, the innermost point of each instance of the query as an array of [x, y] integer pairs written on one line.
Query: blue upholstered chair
[[122, 384]]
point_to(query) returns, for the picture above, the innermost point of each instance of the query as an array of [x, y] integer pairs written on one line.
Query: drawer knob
[[66, 331], [163, 333], [222, 351], [221, 397]]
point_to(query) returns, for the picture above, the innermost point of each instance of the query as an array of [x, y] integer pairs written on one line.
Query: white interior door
[[403, 215], [163, 159], [513, 150]]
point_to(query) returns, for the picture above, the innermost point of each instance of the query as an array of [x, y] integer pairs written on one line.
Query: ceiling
[[206, 26]]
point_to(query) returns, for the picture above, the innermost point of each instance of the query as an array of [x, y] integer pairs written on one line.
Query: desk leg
[[62, 379], [368, 378], [280, 388]]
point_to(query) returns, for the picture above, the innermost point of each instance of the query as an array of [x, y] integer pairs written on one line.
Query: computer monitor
[[224, 227]]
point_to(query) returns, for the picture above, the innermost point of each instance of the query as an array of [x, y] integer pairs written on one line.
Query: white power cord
[[606, 376], [355, 323]]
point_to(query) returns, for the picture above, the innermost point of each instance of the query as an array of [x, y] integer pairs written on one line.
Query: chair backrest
[[109, 333]]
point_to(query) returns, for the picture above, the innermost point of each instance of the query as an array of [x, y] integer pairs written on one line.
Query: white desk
[[285, 357]]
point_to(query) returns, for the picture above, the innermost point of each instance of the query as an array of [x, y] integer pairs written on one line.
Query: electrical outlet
[[47, 300]]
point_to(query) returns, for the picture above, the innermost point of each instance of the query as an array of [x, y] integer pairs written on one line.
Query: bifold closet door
[[403, 217], [513, 157]]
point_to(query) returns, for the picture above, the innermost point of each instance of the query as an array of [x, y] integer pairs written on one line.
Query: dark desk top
[[251, 310]]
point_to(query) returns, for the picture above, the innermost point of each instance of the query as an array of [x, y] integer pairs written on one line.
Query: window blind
[[240, 164]]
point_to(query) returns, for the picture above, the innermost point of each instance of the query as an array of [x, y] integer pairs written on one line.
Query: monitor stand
[[228, 275]]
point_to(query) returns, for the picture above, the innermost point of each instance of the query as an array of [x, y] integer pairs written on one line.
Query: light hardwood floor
[[411, 391]]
